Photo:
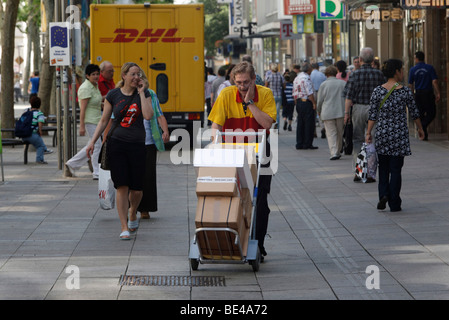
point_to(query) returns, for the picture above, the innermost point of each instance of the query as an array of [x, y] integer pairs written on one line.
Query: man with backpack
[[29, 128]]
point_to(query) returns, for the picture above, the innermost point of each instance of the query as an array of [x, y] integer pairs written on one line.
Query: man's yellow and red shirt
[[228, 109]]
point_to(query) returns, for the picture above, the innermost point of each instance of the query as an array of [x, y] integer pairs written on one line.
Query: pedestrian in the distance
[[388, 108], [275, 82], [423, 79], [342, 73], [289, 105], [33, 88], [131, 103], [358, 92], [303, 94], [331, 109]]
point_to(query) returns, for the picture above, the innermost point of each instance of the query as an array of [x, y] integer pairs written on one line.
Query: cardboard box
[[250, 151], [218, 181], [221, 212], [235, 158]]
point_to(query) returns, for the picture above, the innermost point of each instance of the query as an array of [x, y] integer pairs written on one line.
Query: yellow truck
[[167, 42]]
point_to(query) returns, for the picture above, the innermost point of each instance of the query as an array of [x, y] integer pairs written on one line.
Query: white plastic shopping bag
[[106, 190]]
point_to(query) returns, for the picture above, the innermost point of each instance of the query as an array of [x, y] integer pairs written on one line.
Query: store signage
[[237, 16], [293, 7], [287, 31], [379, 15], [330, 10], [309, 23], [425, 4], [299, 24], [396, 14]]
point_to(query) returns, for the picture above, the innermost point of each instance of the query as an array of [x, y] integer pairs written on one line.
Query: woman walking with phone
[[130, 104]]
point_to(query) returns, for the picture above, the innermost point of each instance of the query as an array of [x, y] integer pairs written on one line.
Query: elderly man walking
[[303, 94], [358, 92]]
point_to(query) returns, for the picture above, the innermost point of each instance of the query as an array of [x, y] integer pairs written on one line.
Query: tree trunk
[[26, 74], [7, 67], [47, 72]]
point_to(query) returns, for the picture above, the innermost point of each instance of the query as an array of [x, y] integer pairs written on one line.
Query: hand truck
[[233, 241]]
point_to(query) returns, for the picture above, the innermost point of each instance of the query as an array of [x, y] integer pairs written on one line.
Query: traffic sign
[[19, 60], [330, 10]]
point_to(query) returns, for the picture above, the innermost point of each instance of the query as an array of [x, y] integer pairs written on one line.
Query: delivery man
[[247, 106]]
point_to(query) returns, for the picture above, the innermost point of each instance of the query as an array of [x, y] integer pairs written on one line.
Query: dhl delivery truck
[[167, 42]]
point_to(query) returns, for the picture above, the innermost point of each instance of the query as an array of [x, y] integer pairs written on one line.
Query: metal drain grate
[[173, 281]]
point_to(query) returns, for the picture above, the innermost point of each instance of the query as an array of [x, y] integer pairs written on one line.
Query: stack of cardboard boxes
[[226, 176]]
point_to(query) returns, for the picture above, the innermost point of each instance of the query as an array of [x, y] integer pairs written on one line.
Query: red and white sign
[[292, 7]]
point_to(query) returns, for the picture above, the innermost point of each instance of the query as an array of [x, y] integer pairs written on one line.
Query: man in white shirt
[[303, 94]]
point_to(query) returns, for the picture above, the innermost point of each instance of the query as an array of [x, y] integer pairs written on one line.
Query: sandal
[[125, 235], [133, 225], [144, 215]]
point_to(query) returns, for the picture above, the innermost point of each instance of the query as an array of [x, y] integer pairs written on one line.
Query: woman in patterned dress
[[391, 134]]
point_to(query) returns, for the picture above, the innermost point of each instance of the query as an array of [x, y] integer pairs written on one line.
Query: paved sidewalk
[[324, 231]]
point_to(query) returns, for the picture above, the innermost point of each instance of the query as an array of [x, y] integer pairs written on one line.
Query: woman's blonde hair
[[125, 69]]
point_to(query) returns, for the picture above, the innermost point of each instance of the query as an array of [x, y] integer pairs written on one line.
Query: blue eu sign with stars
[[59, 44], [59, 37]]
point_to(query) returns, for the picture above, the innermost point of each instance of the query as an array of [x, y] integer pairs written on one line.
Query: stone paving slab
[[324, 232]]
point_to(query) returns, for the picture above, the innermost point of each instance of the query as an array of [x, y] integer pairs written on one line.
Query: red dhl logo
[[147, 35]]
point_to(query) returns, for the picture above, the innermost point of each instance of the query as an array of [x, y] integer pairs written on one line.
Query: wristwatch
[[249, 102]]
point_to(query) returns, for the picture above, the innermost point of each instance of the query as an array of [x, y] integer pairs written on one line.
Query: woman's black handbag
[[347, 138]]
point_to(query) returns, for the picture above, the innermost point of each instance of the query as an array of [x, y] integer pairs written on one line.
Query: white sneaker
[[48, 151]]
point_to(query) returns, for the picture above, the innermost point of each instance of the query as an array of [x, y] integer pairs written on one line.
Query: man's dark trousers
[[425, 101], [306, 124], [262, 209]]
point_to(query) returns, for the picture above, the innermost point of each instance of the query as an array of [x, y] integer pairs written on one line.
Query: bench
[[17, 142], [53, 129]]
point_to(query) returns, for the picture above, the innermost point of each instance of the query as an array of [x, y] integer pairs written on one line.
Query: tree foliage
[[216, 25]]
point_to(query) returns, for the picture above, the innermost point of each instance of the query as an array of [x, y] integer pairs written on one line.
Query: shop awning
[[232, 37], [264, 34]]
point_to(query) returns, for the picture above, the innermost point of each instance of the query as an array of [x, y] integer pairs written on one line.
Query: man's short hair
[[330, 71], [419, 55], [306, 67], [247, 58], [222, 71], [244, 67], [367, 55], [104, 64]]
